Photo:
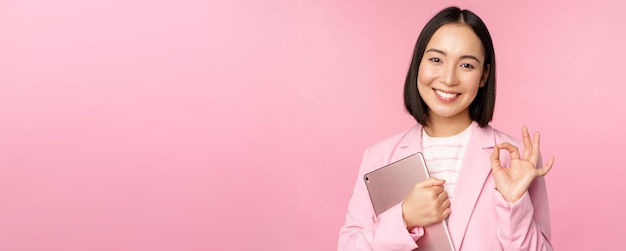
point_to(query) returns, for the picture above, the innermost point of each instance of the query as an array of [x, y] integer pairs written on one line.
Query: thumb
[[431, 182]]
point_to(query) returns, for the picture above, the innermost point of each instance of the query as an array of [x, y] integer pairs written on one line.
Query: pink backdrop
[[195, 125]]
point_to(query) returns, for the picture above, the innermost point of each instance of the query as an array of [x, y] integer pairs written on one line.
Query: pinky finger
[[543, 171]]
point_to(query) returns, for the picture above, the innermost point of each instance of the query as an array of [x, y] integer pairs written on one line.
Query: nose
[[449, 75]]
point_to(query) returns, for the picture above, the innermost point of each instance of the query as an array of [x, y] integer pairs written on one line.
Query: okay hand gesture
[[512, 182]]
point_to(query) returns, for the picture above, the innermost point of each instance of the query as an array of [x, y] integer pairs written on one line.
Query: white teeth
[[445, 94]]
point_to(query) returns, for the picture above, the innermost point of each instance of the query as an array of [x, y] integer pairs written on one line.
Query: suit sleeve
[[525, 224], [364, 231]]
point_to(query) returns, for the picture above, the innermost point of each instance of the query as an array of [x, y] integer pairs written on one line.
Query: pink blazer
[[480, 218]]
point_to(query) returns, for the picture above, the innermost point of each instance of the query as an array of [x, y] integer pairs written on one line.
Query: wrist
[[510, 198], [406, 223]]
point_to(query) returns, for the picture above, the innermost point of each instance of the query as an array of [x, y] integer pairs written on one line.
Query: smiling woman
[[450, 75], [450, 91]]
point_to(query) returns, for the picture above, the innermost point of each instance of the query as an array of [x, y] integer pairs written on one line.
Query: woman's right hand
[[427, 204]]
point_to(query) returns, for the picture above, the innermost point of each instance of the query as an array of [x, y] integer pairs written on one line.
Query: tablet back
[[391, 184]]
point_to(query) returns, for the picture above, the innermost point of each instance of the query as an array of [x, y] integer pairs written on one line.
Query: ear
[[483, 80]]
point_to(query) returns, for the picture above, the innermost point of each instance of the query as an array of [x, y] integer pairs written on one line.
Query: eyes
[[468, 66], [437, 60]]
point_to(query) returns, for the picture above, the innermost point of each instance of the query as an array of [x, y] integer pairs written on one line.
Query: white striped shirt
[[444, 156]]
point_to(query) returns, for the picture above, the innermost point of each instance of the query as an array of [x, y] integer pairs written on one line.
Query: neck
[[445, 127]]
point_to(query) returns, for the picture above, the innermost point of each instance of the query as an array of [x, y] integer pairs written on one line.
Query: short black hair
[[483, 105]]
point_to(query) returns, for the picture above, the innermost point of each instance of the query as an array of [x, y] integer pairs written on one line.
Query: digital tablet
[[391, 184]]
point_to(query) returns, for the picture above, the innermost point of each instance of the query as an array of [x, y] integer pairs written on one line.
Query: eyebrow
[[462, 57]]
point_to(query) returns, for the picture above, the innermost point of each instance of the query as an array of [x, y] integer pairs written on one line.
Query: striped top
[[444, 156]]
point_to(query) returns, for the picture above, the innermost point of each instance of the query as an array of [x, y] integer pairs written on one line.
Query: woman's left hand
[[513, 182]]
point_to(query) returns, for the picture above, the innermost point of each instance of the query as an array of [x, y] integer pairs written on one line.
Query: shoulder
[[391, 143], [391, 148]]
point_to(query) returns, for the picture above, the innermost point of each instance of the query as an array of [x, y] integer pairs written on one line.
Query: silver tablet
[[391, 184]]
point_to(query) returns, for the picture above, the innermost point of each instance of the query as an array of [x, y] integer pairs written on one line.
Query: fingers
[[442, 196], [543, 171], [445, 213], [511, 148], [430, 182], [527, 143], [495, 159], [444, 207], [426, 204], [436, 193], [534, 155]]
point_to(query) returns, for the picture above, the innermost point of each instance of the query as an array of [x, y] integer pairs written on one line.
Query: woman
[[491, 201]]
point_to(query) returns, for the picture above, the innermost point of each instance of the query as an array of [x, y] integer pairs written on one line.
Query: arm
[[364, 231], [525, 224], [522, 210]]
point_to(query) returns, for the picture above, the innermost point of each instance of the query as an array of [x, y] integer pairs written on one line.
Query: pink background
[[233, 125]]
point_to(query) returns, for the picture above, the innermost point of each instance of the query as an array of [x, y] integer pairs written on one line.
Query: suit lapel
[[411, 143], [475, 170]]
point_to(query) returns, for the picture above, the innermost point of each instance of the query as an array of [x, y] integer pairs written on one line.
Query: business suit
[[480, 218]]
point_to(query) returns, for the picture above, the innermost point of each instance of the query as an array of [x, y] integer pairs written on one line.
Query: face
[[451, 72]]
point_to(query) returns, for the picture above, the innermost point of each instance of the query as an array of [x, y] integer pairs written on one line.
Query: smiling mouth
[[446, 95]]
